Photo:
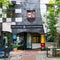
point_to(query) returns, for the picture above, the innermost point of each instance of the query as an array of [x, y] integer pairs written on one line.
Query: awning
[[27, 28]]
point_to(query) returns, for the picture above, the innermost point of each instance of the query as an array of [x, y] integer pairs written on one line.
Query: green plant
[[58, 45], [15, 45], [57, 55], [52, 15], [5, 3]]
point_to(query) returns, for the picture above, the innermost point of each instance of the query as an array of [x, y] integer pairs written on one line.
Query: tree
[[53, 13], [5, 3]]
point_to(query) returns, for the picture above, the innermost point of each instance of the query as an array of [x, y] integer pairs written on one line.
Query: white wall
[[6, 27], [43, 12]]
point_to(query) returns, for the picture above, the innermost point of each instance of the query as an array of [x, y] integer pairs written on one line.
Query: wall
[[43, 12]]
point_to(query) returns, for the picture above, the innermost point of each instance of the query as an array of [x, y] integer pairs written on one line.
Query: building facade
[[23, 21]]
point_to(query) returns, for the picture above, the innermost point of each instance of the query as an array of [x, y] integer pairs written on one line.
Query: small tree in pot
[[15, 46]]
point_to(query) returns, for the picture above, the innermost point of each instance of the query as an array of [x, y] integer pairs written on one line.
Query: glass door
[[29, 44]]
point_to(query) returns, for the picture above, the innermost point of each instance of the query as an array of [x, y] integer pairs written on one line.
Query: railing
[[51, 51]]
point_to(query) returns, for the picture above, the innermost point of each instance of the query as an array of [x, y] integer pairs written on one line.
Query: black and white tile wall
[[17, 12], [13, 14]]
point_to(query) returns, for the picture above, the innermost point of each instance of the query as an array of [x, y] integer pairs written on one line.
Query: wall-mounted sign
[[31, 14], [26, 27]]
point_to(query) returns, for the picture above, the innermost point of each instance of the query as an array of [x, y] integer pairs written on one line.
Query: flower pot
[[14, 49]]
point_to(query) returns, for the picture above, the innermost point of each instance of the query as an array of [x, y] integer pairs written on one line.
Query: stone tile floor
[[29, 55]]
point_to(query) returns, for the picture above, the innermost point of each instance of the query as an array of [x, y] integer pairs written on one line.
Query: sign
[[14, 37], [31, 13], [26, 27], [42, 44]]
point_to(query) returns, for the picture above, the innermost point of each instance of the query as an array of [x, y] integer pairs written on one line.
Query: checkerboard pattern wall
[[13, 13]]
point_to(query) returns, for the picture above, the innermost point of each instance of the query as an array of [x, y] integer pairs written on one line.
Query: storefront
[[28, 36], [29, 40]]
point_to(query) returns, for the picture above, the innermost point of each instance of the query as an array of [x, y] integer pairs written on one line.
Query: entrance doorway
[[27, 41], [24, 40]]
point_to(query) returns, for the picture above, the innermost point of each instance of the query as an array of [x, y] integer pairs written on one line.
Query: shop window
[[36, 38]]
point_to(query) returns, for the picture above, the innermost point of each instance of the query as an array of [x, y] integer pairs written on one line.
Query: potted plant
[[15, 46]]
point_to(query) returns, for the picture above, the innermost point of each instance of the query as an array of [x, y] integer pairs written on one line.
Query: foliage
[[15, 45], [5, 3], [49, 38], [58, 42], [52, 15], [57, 55]]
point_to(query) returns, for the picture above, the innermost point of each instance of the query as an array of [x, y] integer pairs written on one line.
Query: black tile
[[13, 2], [0, 15], [13, 19], [18, 15], [4, 19], [17, 6]]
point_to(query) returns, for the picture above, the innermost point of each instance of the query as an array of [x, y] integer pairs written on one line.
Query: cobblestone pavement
[[31, 55]]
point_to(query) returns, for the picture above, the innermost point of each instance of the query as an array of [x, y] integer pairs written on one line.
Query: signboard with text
[[26, 27]]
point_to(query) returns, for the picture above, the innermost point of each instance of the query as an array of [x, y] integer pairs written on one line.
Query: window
[[10, 13], [36, 38], [11, 10]]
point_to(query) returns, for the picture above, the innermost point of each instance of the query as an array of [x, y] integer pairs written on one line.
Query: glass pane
[[34, 40]]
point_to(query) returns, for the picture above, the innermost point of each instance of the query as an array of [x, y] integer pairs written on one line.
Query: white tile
[[18, 11], [18, 19], [8, 19], [18, 2], [6, 27], [13, 23], [1, 20]]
